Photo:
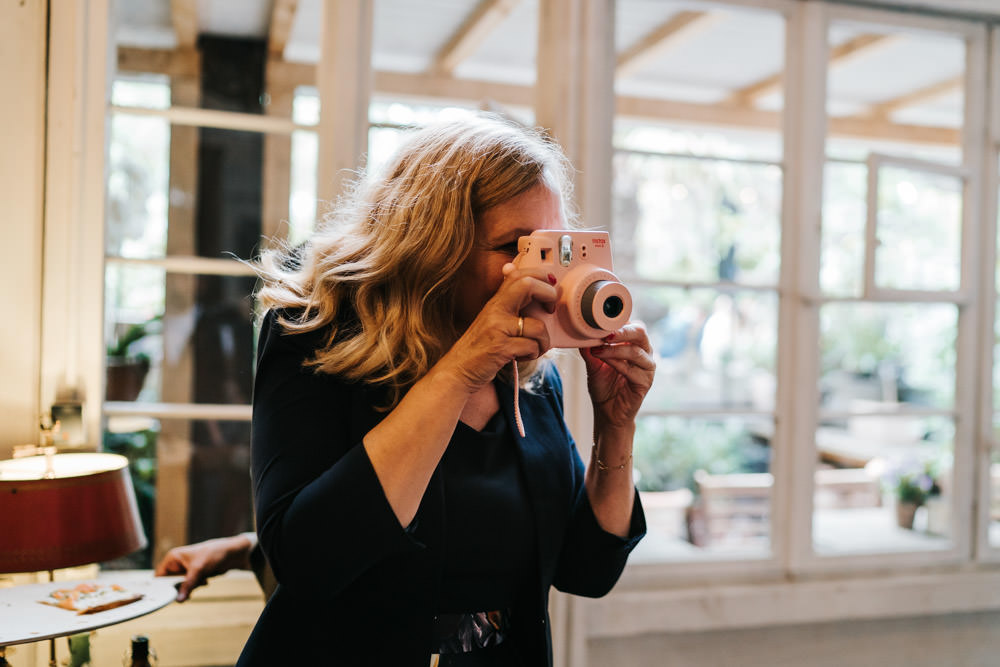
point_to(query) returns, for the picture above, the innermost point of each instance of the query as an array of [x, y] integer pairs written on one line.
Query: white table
[[24, 619]]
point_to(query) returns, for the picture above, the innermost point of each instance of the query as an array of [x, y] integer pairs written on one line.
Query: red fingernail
[[552, 279], [610, 336]]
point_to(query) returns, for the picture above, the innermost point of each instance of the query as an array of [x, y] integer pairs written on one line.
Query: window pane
[[392, 119], [715, 349], [919, 230], [201, 465], [730, 142], [138, 185], [210, 205], [685, 219], [884, 484], [383, 142], [705, 485], [900, 82], [842, 253], [178, 338], [302, 203], [875, 356], [148, 91]]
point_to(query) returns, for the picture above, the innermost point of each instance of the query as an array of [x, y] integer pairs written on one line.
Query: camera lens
[[600, 303], [613, 306]]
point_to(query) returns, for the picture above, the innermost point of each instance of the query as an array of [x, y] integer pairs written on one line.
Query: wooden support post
[[277, 158], [174, 444], [344, 80], [804, 128], [575, 102]]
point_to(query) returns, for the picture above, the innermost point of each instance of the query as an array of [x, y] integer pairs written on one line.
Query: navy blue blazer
[[354, 586]]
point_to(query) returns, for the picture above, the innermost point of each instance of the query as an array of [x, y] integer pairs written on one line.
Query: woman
[[400, 511]]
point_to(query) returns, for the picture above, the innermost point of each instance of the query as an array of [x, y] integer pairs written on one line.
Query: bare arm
[[619, 374]]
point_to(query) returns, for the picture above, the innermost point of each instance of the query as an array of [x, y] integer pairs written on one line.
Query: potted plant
[[913, 484], [126, 371]]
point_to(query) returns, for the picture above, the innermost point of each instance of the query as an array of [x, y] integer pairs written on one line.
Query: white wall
[[22, 132], [960, 640]]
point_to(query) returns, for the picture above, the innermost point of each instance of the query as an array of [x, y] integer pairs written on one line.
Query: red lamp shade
[[83, 512]]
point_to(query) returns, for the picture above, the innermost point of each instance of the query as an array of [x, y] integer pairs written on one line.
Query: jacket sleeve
[[591, 559], [322, 516]]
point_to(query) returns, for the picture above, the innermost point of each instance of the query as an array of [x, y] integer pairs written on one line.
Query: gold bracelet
[[602, 466]]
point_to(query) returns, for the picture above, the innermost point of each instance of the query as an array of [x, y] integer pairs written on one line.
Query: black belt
[[462, 633]]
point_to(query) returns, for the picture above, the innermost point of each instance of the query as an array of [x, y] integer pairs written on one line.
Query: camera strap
[[517, 406]]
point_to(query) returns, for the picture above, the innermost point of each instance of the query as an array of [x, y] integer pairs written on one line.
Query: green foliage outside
[[668, 451]]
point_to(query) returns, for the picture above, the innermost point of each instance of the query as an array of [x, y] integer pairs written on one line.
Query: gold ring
[[520, 326]]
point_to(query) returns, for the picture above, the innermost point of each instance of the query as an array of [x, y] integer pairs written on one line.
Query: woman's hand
[[198, 562], [498, 336], [619, 375]]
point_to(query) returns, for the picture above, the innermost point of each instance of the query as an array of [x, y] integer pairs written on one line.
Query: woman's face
[[497, 232]]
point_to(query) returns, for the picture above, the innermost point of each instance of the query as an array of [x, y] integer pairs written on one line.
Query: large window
[[874, 305], [895, 241]]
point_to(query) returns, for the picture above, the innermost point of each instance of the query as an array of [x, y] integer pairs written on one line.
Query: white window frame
[[805, 560], [871, 290], [987, 298], [767, 564]]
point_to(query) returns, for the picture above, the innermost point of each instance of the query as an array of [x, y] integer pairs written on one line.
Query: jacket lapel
[[542, 467]]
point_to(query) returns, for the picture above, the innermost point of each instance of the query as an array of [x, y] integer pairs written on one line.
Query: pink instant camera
[[592, 301]]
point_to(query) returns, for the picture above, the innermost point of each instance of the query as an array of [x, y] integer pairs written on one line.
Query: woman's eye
[[508, 248]]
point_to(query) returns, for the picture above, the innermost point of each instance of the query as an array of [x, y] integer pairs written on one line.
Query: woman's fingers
[[536, 330], [633, 332], [635, 375], [520, 289], [628, 352]]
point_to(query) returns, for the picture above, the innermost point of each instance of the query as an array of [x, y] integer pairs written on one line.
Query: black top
[[485, 504], [347, 570]]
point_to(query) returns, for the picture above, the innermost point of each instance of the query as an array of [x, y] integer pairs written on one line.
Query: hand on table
[[198, 562]]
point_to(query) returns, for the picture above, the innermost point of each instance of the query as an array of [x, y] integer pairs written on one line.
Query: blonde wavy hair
[[387, 255]]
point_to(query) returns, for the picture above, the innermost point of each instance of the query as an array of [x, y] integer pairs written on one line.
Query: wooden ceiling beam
[[450, 88], [839, 55], [917, 97], [173, 63], [747, 117], [184, 17], [681, 26], [282, 19], [487, 15]]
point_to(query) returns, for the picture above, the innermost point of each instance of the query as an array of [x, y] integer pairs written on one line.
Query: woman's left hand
[[619, 375]]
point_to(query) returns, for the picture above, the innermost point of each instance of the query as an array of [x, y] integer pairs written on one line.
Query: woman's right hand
[[198, 562], [492, 340]]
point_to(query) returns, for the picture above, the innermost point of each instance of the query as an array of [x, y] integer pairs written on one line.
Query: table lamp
[[65, 510]]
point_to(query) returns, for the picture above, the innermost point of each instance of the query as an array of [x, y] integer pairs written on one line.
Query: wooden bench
[[734, 510]]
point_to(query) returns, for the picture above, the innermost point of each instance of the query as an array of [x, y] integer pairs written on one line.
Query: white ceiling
[[741, 47]]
